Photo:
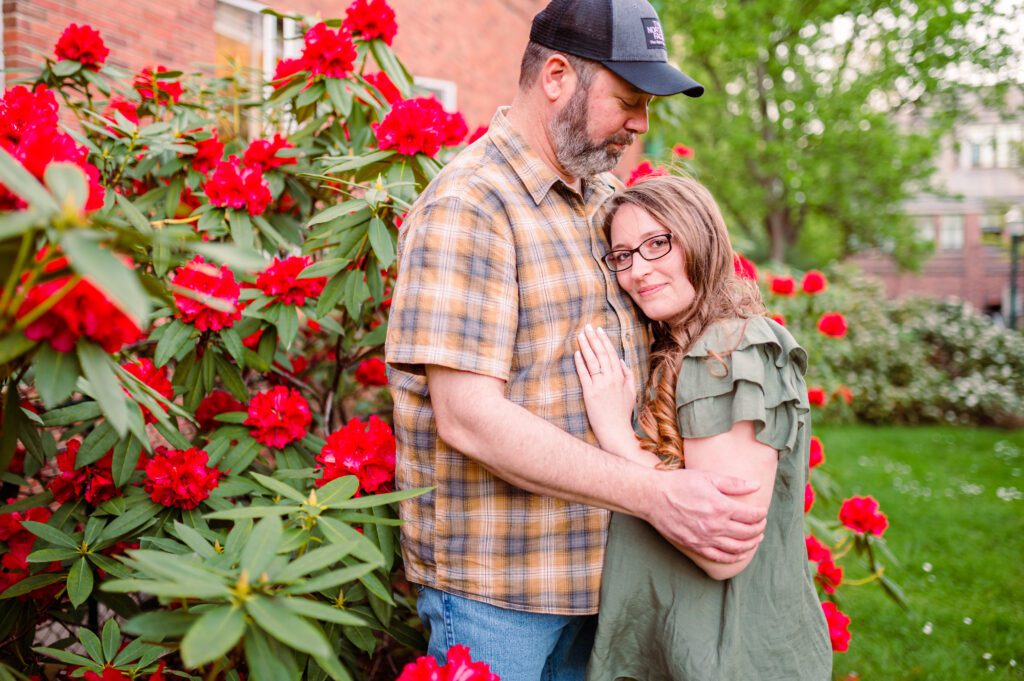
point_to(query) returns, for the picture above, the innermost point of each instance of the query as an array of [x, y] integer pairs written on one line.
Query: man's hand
[[700, 513]]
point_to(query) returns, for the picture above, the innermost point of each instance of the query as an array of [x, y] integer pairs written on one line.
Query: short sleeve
[[455, 302], [748, 370]]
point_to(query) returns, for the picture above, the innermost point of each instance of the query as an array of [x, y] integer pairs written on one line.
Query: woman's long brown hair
[[686, 208]]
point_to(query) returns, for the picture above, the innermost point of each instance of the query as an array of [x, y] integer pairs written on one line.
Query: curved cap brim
[[655, 78]]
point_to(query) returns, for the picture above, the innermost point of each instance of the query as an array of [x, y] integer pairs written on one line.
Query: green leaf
[[126, 457], [287, 325], [111, 639], [56, 374], [382, 242], [331, 294], [66, 416], [331, 579], [66, 67], [177, 335], [212, 636], [341, 97], [337, 490], [66, 657], [133, 214], [372, 500], [96, 444], [387, 61], [325, 268], [50, 555], [91, 643], [323, 611], [283, 489], [50, 534], [241, 228], [268, 660], [21, 182], [288, 628], [316, 559], [233, 343], [189, 589], [375, 337], [79, 582], [158, 624], [355, 293], [249, 512], [337, 531], [262, 546], [106, 271], [377, 588], [99, 369], [141, 511], [194, 540], [236, 257], [14, 344], [345, 207], [309, 95], [110, 566], [68, 183]]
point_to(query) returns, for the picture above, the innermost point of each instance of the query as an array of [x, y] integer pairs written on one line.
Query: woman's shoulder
[[731, 336]]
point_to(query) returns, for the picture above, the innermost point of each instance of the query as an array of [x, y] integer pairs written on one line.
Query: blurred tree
[[822, 116]]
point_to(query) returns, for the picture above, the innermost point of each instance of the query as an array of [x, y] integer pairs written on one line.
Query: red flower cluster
[[832, 324], [262, 154], [480, 131], [844, 393], [816, 551], [371, 19], [365, 451], [838, 623], [151, 88], [644, 169], [817, 396], [808, 498], [419, 126], [82, 312], [743, 267], [814, 282], [384, 85], [153, 376], [281, 281], [14, 565], [817, 452], [460, 667], [328, 52], [216, 403], [861, 515], [209, 152], [778, 319], [94, 483], [682, 151], [29, 132], [207, 282], [829, 575], [82, 44], [235, 186], [180, 479], [782, 286], [286, 70], [127, 109], [371, 372], [112, 674], [279, 416]]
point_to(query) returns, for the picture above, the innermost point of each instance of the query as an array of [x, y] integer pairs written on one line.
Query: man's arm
[[695, 510]]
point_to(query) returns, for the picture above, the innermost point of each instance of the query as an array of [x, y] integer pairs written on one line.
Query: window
[[925, 228], [445, 91], [951, 233], [991, 146]]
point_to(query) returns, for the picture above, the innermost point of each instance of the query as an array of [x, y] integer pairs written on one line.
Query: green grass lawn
[[955, 501]]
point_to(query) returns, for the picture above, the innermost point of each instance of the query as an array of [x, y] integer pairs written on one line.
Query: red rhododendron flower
[[817, 452], [371, 19], [365, 451], [460, 667], [808, 498], [829, 575], [744, 268], [682, 151], [11, 529], [112, 674], [82, 44], [838, 623], [216, 403], [14, 566], [385, 86], [153, 376], [328, 52], [861, 515], [371, 372], [279, 416], [94, 483], [82, 312], [231, 186], [814, 282], [209, 153], [844, 393], [832, 324], [782, 286], [778, 319], [644, 169], [817, 396], [208, 283], [281, 281], [152, 88], [22, 109], [125, 108], [262, 155], [454, 128], [480, 131], [816, 551], [180, 478], [413, 126], [286, 70]]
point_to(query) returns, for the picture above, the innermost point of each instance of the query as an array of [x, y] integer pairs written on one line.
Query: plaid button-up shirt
[[499, 270]]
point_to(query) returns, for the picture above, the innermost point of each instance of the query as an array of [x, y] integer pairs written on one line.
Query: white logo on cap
[[652, 32]]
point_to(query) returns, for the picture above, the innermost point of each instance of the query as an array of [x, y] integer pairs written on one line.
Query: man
[[500, 269]]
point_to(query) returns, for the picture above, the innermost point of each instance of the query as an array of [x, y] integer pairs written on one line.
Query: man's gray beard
[[574, 150]]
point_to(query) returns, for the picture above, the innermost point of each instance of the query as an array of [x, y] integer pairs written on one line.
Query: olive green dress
[[662, 617]]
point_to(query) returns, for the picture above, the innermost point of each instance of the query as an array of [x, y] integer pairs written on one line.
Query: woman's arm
[[610, 395], [739, 454]]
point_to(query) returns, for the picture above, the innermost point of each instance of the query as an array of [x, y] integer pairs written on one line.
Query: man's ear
[[557, 78]]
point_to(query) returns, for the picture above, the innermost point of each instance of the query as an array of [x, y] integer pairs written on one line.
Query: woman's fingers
[[587, 348], [581, 369]]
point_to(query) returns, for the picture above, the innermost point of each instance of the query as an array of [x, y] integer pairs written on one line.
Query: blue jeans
[[518, 646]]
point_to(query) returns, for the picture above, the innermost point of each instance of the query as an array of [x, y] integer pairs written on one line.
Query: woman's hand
[[609, 391]]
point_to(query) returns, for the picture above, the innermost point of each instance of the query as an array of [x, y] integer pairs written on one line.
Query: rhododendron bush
[[198, 466]]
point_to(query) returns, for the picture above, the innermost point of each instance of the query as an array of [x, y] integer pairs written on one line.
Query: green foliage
[[827, 114]]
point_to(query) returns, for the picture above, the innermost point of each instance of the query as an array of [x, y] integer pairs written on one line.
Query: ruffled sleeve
[[744, 370]]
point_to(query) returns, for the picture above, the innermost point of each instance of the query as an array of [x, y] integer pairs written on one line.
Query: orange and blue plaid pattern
[[499, 270]]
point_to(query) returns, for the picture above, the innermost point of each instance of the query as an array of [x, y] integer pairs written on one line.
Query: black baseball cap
[[625, 36]]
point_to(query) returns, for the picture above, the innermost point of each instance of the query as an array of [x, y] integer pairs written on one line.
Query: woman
[[727, 396]]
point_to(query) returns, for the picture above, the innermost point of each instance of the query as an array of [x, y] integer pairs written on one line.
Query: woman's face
[[660, 287]]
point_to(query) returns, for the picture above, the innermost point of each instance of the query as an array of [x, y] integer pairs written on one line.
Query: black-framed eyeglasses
[[652, 248]]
